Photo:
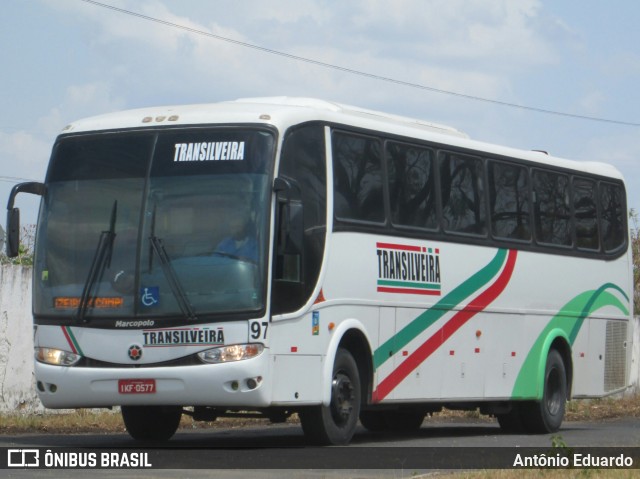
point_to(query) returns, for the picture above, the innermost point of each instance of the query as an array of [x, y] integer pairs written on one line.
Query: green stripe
[[599, 300], [74, 340], [446, 304], [568, 322], [407, 284]]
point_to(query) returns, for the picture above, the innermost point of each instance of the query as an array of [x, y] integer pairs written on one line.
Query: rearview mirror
[[13, 232], [13, 214]]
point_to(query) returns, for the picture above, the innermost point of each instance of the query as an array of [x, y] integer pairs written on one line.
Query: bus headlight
[[57, 357], [236, 352]]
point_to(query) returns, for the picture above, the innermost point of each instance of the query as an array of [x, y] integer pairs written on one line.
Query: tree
[[25, 252], [635, 250]]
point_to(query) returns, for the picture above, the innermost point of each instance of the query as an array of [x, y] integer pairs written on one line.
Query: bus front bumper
[[235, 384]]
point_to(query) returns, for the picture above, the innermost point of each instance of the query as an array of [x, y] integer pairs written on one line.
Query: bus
[[279, 256]]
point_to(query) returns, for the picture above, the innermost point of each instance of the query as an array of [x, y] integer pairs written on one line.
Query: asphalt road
[[274, 448]]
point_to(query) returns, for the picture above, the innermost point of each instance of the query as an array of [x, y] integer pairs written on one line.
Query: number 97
[[259, 329]]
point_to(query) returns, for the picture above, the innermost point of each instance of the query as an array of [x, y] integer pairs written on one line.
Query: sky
[[63, 60]]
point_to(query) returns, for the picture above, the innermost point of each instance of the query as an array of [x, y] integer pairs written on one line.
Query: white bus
[[290, 255]]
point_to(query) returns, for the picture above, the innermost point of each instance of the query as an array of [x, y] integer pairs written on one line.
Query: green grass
[[91, 420], [545, 473]]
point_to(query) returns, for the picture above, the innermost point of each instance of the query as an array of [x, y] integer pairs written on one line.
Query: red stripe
[[401, 247], [66, 335], [446, 331], [431, 292]]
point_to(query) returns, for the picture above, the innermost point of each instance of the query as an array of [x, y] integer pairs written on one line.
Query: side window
[[463, 197], [509, 201], [357, 178], [303, 160], [303, 163], [612, 222], [552, 208], [585, 213], [411, 185]]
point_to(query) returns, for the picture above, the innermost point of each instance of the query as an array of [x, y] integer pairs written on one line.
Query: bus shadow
[[435, 432], [271, 437]]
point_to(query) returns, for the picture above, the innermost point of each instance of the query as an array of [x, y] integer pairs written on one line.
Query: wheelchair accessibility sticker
[[150, 296]]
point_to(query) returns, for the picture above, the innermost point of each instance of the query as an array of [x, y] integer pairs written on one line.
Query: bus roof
[[283, 112]]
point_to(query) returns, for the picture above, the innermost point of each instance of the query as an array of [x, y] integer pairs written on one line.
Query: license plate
[[136, 386]]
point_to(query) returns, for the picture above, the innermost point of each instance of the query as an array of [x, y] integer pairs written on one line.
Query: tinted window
[[192, 236], [101, 157], [552, 210], [463, 203], [509, 201], [411, 186], [613, 216], [207, 151], [303, 163], [357, 176], [207, 213], [585, 212]]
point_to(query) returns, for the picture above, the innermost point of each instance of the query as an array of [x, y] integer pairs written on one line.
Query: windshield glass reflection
[[169, 223]]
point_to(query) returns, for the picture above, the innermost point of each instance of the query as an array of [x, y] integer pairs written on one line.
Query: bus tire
[[151, 423], [546, 416], [335, 424]]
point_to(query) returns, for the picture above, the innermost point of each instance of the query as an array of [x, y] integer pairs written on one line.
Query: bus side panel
[[303, 349], [501, 355], [595, 370], [426, 380], [602, 367], [386, 330], [487, 331], [296, 379], [585, 363]]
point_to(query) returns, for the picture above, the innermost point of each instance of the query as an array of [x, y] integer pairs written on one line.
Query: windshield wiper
[[101, 259], [174, 282]]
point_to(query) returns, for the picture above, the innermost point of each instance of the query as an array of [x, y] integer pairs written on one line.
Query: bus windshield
[[155, 224]]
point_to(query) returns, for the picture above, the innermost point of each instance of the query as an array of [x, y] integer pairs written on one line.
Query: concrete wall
[[17, 385]]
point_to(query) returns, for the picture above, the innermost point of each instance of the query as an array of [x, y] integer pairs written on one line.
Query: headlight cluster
[[57, 357], [236, 352]]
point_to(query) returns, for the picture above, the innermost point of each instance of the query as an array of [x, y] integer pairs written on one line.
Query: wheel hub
[[342, 398], [554, 389]]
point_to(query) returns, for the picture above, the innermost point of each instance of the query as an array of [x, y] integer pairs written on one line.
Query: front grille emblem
[[135, 352]]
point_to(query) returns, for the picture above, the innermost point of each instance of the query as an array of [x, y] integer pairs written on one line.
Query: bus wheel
[[336, 423], [546, 416], [151, 423]]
